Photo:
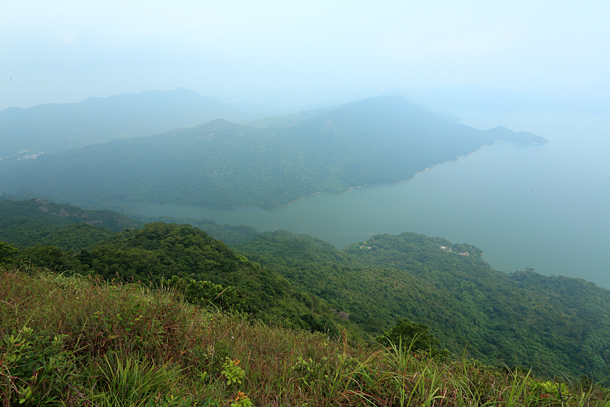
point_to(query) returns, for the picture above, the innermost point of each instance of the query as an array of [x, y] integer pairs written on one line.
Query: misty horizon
[[299, 55]]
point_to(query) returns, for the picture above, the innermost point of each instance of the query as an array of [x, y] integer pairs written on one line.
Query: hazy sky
[[293, 50]]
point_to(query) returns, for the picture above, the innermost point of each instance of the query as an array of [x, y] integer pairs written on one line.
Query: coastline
[[350, 188], [407, 179], [288, 203], [383, 183]]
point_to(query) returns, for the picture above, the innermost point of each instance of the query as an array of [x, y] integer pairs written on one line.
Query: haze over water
[[541, 206]]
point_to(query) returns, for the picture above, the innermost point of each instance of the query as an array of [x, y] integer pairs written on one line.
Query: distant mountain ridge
[[376, 140], [53, 128]]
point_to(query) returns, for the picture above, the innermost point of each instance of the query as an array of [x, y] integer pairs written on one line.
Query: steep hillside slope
[[38, 221]]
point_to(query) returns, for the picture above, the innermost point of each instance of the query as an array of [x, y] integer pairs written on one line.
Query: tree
[[412, 335], [7, 253]]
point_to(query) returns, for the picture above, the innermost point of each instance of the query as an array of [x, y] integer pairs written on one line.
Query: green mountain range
[[223, 164], [53, 128]]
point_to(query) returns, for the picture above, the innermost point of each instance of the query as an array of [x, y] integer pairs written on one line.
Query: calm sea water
[[541, 206]]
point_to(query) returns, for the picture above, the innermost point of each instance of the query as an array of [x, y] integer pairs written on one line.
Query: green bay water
[[541, 206]]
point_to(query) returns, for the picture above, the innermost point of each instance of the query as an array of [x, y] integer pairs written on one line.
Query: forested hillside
[[161, 251], [524, 319], [558, 326], [38, 221], [223, 164], [206, 270]]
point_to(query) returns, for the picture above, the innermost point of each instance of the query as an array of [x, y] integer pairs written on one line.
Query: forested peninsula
[[268, 164]]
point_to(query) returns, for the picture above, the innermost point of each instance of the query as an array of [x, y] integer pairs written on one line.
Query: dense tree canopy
[[522, 319]]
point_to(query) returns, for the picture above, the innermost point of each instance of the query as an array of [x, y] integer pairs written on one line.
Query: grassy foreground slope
[[75, 341]]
